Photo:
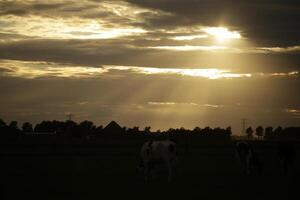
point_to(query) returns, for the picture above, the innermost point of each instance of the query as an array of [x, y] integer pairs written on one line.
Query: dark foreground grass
[[206, 170]]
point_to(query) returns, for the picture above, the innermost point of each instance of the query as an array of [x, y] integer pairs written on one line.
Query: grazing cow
[[249, 160], [286, 155], [158, 153]]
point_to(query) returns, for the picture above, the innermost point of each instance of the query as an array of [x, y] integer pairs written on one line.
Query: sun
[[222, 34]]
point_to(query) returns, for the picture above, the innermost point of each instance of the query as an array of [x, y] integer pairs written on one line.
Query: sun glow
[[222, 34]]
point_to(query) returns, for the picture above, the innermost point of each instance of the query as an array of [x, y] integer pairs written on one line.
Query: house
[[113, 128]]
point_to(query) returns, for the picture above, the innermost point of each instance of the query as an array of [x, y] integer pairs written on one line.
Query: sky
[[158, 63]]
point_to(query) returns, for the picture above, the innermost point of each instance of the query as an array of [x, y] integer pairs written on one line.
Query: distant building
[[113, 128]]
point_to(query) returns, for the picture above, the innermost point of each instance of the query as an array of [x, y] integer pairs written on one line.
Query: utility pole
[[70, 116], [244, 120]]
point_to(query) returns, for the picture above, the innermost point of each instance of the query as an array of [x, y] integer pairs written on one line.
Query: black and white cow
[[249, 160], [158, 153], [286, 155]]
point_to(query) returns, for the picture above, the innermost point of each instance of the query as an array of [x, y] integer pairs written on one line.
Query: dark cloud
[[20, 8], [5, 70], [132, 53], [265, 22]]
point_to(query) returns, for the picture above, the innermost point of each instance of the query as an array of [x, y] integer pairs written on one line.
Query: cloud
[[213, 106], [188, 37], [294, 112], [190, 48], [45, 69], [171, 103], [66, 28], [73, 19], [33, 70], [184, 104], [158, 33], [40, 70], [151, 53], [291, 49], [264, 22]]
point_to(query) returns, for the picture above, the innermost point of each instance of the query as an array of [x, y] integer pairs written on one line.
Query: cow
[[249, 160], [155, 154], [286, 155]]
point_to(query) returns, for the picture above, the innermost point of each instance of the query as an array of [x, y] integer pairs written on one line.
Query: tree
[[99, 130], [13, 125], [2, 123], [147, 129], [87, 125], [85, 128], [197, 129], [27, 127], [278, 131], [268, 132], [228, 130], [44, 127], [259, 132], [249, 132], [12, 130], [135, 129]]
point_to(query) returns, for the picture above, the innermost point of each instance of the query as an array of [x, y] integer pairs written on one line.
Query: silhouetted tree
[[69, 127], [268, 132], [259, 132], [135, 129], [228, 130], [278, 131], [87, 125], [44, 127], [147, 129], [84, 129], [2, 123], [14, 125], [27, 127], [206, 131], [99, 130], [197, 130], [12, 131], [249, 132]]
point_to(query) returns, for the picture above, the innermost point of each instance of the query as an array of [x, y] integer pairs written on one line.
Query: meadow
[[107, 169]]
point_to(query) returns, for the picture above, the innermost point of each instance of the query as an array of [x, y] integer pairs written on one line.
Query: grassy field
[[207, 169]]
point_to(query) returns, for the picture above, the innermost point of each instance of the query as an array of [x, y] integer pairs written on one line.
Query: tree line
[[270, 133], [87, 128]]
